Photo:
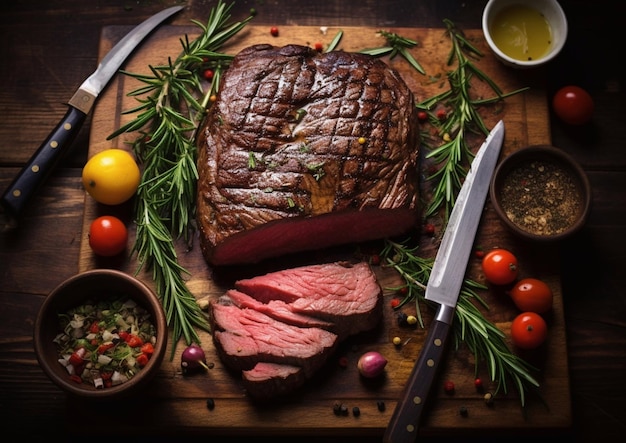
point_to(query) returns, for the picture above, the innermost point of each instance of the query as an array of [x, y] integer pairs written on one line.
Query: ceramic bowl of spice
[[524, 34], [101, 334], [541, 193]]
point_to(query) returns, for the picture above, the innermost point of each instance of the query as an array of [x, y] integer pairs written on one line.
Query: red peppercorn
[[478, 383], [375, 259], [448, 386], [479, 253], [441, 114], [319, 47], [395, 302], [422, 116], [208, 74], [404, 290], [429, 228], [343, 362], [274, 31]]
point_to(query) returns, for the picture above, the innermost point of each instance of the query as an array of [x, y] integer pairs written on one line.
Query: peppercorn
[[402, 319], [343, 409], [488, 398], [429, 228], [394, 302], [380, 405], [478, 383], [274, 31], [375, 259], [397, 341], [210, 404], [422, 116], [411, 319], [448, 386], [441, 114], [463, 411], [362, 140], [319, 47], [208, 74], [356, 411], [343, 362], [336, 409]]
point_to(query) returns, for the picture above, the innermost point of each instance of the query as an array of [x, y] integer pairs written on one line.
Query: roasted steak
[[303, 150], [278, 329]]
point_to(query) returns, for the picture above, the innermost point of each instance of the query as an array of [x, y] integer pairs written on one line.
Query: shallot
[[371, 364], [193, 359]]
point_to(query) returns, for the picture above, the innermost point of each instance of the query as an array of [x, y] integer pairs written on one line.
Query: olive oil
[[521, 32]]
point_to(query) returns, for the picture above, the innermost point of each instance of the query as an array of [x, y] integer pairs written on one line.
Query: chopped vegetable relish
[[105, 343]]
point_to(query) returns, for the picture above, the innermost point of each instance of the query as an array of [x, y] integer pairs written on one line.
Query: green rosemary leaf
[[377, 52], [335, 41], [409, 57]]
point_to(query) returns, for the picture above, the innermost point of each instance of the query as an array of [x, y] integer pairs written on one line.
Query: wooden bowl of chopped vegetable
[[541, 193], [101, 334]]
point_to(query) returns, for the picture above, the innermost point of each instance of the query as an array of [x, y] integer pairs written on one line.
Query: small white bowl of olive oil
[[524, 33]]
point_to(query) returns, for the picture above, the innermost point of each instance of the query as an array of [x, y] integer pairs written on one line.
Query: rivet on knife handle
[[42, 162], [404, 423]]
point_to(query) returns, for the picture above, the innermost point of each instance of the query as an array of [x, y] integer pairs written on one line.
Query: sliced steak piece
[[278, 310], [346, 295], [270, 380], [245, 337], [302, 151]]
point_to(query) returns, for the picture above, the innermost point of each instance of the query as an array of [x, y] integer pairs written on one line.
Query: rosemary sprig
[[463, 118], [396, 44], [484, 340], [168, 118]]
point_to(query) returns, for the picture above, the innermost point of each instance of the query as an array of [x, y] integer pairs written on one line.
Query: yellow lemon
[[111, 176]]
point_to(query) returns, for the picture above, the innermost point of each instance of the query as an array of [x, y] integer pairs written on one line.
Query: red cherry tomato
[[529, 330], [108, 236], [500, 266], [531, 294], [573, 105]]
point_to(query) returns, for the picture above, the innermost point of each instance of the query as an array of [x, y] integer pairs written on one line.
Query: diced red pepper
[[134, 341], [123, 335], [147, 348], [106, 375], [76, 359], [142, 359], [104, 346], [76, 378], [94, 328]]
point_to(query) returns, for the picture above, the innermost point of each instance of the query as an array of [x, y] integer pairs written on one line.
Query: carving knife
[[51, 150], [444, 286]]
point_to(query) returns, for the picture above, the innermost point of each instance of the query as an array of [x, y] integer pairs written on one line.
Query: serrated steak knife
[[48, 154], [444, 286]]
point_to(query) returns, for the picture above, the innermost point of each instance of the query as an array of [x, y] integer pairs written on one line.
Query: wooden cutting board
[[174, 402]]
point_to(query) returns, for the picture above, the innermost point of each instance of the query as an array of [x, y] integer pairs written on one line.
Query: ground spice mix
[[541, 197]]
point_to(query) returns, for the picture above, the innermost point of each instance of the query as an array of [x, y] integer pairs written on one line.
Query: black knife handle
[[42, 163], [405, 420]]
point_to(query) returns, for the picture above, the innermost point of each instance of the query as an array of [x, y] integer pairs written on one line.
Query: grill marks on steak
[[280, 328], [304, 150]]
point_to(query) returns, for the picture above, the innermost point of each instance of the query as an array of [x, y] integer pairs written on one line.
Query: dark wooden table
[[48, 47]]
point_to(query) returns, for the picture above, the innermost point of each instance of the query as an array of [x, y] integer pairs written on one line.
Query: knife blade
[[59, 140], [444, 285]]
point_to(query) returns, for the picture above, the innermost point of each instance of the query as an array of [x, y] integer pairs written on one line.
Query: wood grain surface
[[177, 402]]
